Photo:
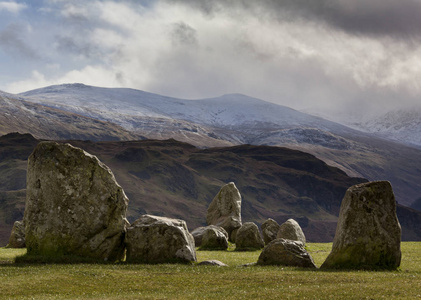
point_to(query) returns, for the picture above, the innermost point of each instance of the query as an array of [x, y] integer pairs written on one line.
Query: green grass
[[124, 281]]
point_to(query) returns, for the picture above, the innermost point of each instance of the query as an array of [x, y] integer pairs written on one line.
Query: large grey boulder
[[74, 206], [291, 230], [225, 209], [17, 236], [198, 232], [214, 239], [287, 253], [270, 230], [368, 234], [248, 238], [153, 239]]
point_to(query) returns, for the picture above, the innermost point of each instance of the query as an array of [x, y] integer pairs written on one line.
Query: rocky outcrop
[[270, 230], [74, 206], [225, 209], [291, 230], [368, 234], [152, 239], [214, 239], [17, 236], [198, 232], [248, 238], [286, 253]]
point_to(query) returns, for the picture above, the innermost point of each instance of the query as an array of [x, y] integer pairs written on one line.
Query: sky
[[332, 56]]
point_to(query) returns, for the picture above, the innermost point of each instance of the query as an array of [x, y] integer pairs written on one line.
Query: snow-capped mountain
[[18, 115], [403, 125], [139, 111], [238, 119]]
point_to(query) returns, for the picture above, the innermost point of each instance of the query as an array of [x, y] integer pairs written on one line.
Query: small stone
[[270, 230], [198, 232], [248, 238], [287, 253], [291, 230], [212, 263], [153, 239], [17, 236], [214, 239]]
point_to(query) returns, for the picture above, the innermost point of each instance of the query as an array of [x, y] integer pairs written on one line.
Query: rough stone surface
[[152, 239], [291, 230], [212, 263], [270, 230], [368, 234], [286, 252], [17, 236], [225, 209], [248, 238], [198, 232], [214, 239], [74, 206]]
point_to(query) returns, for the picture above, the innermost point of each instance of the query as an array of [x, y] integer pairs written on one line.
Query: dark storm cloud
[[183, 34], [12, 41], [78, 47], [398, 19]]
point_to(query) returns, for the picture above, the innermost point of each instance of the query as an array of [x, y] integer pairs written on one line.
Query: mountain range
[[238, 119]]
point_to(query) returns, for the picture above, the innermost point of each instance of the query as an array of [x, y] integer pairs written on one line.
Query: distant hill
[[18, 115], [176, 179]]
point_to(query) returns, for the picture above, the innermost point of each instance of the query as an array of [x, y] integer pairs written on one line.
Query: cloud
[[398, 19], [90, 75], [11, 41], [297, 53], [12, 7]]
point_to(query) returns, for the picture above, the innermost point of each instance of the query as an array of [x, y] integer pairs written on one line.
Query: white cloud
[[90, 75], [12, 7], [179, 51]]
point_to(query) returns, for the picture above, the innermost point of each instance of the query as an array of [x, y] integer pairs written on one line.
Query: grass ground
[[124, 281]]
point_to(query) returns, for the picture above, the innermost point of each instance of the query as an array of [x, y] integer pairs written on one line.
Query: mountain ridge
[[236, 119]]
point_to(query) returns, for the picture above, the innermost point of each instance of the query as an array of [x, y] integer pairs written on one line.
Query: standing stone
[[17, 236], [198, 232], [291, 230], [270, 230], [152, 239], [287, 253], [248, 238], [74, 206], [214, 239], [368, 234], [225, 209]]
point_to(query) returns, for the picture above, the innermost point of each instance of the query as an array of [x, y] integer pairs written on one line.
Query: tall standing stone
[[368, 234], [74, 206], [225, 209], [291, 230]]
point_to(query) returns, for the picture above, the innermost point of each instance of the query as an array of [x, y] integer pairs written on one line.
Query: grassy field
[[124, 281]]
